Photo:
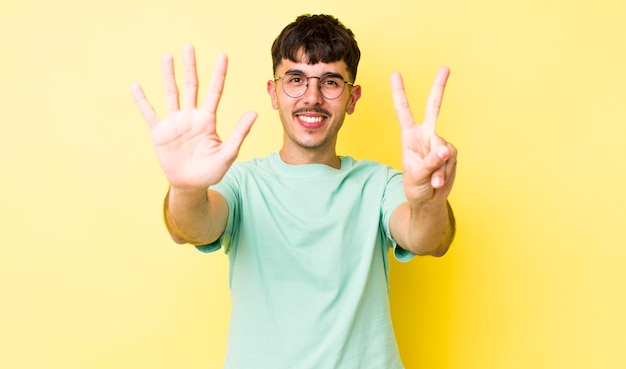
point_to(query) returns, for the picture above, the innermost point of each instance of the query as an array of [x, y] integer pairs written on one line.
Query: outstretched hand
[[190, 152], [428, 161]]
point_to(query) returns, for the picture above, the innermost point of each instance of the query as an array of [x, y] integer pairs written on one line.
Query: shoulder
[[255, 162], [259, 164], [368, 168]]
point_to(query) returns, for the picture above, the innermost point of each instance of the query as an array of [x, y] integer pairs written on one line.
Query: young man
[[307, 232]]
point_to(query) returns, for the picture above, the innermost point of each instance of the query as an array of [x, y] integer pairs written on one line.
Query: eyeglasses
[[330, 85]]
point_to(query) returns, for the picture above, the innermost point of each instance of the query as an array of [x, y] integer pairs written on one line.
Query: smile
[[310, 120]]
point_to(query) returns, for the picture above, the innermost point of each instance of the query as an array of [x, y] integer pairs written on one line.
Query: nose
[[313, 94]]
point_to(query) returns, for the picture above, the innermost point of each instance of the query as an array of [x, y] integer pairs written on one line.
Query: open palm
[[189, 150]]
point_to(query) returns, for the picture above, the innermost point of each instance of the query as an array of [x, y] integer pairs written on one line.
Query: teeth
[[310, 119]]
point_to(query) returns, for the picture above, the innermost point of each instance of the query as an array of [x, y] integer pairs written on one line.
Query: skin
[[424, 225], [304, 142], [193, 157]]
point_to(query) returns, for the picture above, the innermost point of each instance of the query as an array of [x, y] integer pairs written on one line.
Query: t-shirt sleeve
[[393, 197]]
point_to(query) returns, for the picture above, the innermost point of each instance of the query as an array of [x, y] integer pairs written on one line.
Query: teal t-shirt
[[308, 248]]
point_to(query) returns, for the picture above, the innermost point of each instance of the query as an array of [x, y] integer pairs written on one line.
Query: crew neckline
[[309, 169]]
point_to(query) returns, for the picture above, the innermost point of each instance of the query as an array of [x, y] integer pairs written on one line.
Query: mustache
[[312, 110]]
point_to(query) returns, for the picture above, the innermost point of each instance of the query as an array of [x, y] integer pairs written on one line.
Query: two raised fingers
[[433, 105], [440, 150]]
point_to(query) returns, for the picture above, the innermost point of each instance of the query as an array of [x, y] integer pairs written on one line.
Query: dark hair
[[322, 38]]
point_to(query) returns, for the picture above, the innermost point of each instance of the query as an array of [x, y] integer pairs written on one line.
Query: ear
[[271, 90], [355, 95]]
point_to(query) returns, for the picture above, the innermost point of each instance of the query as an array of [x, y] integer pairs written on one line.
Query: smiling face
[[311, 122]]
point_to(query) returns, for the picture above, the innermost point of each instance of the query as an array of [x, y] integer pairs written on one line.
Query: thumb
[[242, 128]]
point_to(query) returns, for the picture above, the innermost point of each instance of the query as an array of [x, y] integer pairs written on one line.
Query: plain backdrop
[[536, 105]]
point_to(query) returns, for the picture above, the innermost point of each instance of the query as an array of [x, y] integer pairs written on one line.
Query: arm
[[191, 154], [427, 230], [425, 224], [194, 216]]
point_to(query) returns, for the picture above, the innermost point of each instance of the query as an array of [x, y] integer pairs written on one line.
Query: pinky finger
[[438, 179], [439, 159], [144, 106], [447, 172]]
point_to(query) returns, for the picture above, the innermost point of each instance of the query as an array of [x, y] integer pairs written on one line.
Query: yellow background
[[536, 105]]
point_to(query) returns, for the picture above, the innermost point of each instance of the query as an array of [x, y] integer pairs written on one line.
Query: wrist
[[428, 205], [184, 199], [180, 208], [187, 192]]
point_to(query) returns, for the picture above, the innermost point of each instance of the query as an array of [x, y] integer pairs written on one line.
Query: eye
[[295, 79], [331, 82]]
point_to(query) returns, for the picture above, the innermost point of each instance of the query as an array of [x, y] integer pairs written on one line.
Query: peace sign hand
[[190, 152], [428, 161]]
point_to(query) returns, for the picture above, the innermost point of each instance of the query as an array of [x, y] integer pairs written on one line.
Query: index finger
[[435, 98], [216, 85], [400, 101]]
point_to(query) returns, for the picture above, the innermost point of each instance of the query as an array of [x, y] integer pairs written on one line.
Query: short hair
[[322, 38]]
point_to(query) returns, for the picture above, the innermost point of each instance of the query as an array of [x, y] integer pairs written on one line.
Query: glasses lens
[[331, 86], [294, 84]]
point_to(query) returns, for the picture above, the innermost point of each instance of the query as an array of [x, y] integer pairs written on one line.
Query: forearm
[[427, 229], [193, 216]]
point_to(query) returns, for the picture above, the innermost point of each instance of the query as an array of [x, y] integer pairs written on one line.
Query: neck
[[310, 157]]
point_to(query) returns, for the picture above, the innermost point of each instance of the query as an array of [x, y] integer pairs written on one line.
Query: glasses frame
[[319, 85]]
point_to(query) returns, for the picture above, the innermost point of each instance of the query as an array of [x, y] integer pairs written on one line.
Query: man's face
[[312, 121]]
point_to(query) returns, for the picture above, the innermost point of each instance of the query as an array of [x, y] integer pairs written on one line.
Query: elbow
[[423, 250], [177, 239], [440, 251], [445, 243], [429, 234], [196, 241]]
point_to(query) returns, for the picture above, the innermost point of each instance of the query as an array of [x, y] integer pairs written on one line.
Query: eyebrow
[[327, 74]]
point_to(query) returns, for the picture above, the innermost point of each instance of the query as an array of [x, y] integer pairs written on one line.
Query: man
[[307, 232]]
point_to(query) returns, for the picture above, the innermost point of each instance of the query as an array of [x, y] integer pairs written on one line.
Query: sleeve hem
[[401, 254], [211, 247]]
